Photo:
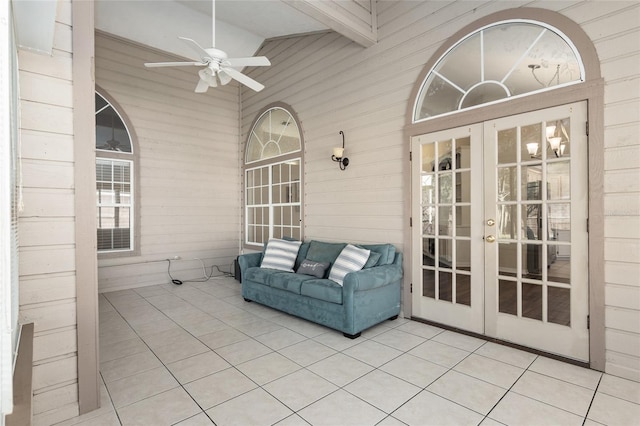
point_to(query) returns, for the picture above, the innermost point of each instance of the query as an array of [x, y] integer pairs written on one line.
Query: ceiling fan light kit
[[219, 68]]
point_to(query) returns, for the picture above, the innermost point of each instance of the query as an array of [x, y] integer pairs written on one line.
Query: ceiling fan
[[218, 68]]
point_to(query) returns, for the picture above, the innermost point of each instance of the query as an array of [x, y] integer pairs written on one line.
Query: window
[[504, 60], [114, 180], [273, 172]]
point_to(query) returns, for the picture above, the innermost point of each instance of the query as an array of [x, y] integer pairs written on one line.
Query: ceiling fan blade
[[247, 81], [255, 61], [173, 64], [202, 86], [197, 48]]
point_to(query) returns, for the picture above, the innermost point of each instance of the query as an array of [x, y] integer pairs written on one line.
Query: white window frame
[[132, 159], [296, 155]]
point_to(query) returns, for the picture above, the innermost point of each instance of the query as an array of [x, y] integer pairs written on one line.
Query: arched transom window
[[115, 183], [273, 178], [507, 59]]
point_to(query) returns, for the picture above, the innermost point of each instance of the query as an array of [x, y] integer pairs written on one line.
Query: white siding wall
[[188, 166], [334, 85], [46, 225], [614, 27]]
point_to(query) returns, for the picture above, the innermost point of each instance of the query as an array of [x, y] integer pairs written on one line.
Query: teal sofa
[[367, 297]]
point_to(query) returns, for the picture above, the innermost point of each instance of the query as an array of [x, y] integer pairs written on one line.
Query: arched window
[[500, 61], [115, 183], [273, 177]]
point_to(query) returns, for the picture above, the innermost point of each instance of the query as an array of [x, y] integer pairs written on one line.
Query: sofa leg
[[395, 317], [351, 336], [247, 300]]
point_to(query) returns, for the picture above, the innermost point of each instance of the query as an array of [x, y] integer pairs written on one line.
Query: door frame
[[591, 91]]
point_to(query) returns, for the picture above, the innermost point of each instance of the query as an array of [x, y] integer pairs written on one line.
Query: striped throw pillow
[[280, 254], [351, 259]]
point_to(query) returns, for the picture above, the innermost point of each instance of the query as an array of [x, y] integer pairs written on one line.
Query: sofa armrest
[[378, 276], [249, 260]]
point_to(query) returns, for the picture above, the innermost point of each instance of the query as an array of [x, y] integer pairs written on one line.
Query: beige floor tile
[[609, 410], [268, 368], [419, 329], [219, 387], [340, 369], [257, 328], [519, 410], [561, 394], [198, 420], [292, 420], [205, 327], [197, 366], [439, 353], [280, 338], [307, 352], [460, 341], [564, 371], [166, 408], [220, 338], [264, 410], [128, 366], [105, 419], [336, 341], [134, 388], [414, 370], [372, 353], [391, 421], [427, 409], [122, 349], [467, 391], [246, 350], [397, 391], [299, 389], [175, 352], [175, 336], [506, 354], [400, 340], [620, 388], [489, 370], [341, 408]]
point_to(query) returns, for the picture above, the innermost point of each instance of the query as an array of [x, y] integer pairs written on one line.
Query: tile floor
[[198, 354]]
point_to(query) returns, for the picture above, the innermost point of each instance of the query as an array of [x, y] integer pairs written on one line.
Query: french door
[[500, 247]]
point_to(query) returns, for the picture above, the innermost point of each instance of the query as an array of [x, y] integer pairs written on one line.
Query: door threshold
[[504, 343]]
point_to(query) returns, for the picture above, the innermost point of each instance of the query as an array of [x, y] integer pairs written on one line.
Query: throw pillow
[[316, 269], [351, 259], [280, 254]]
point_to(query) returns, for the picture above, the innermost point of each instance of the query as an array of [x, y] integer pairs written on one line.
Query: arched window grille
[[273, 177], [504, 60]]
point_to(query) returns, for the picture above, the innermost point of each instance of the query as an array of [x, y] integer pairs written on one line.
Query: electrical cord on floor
[[205, 278]]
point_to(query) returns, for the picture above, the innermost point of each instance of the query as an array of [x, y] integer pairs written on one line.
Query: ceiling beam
[[353, 19]]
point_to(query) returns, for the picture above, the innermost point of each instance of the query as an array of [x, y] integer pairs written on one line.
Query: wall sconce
[[338, 155], [555, 143]]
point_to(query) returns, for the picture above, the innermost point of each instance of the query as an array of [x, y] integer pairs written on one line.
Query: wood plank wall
[[188, 161], [334, 85], [46, 225]]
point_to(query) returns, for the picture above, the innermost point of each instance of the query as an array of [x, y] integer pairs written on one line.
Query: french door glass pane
[[446, 219], [533, 220]]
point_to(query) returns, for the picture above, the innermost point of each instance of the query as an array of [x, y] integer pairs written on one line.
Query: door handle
[[490, 239], [491, 222]]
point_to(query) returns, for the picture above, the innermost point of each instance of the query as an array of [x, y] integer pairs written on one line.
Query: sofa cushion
[[316, 269], [372, 261], [280, 254], [320, 251], [387, 252], [326, 290], [351, 259], [288, 281], [302, 255], [259, 275]]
